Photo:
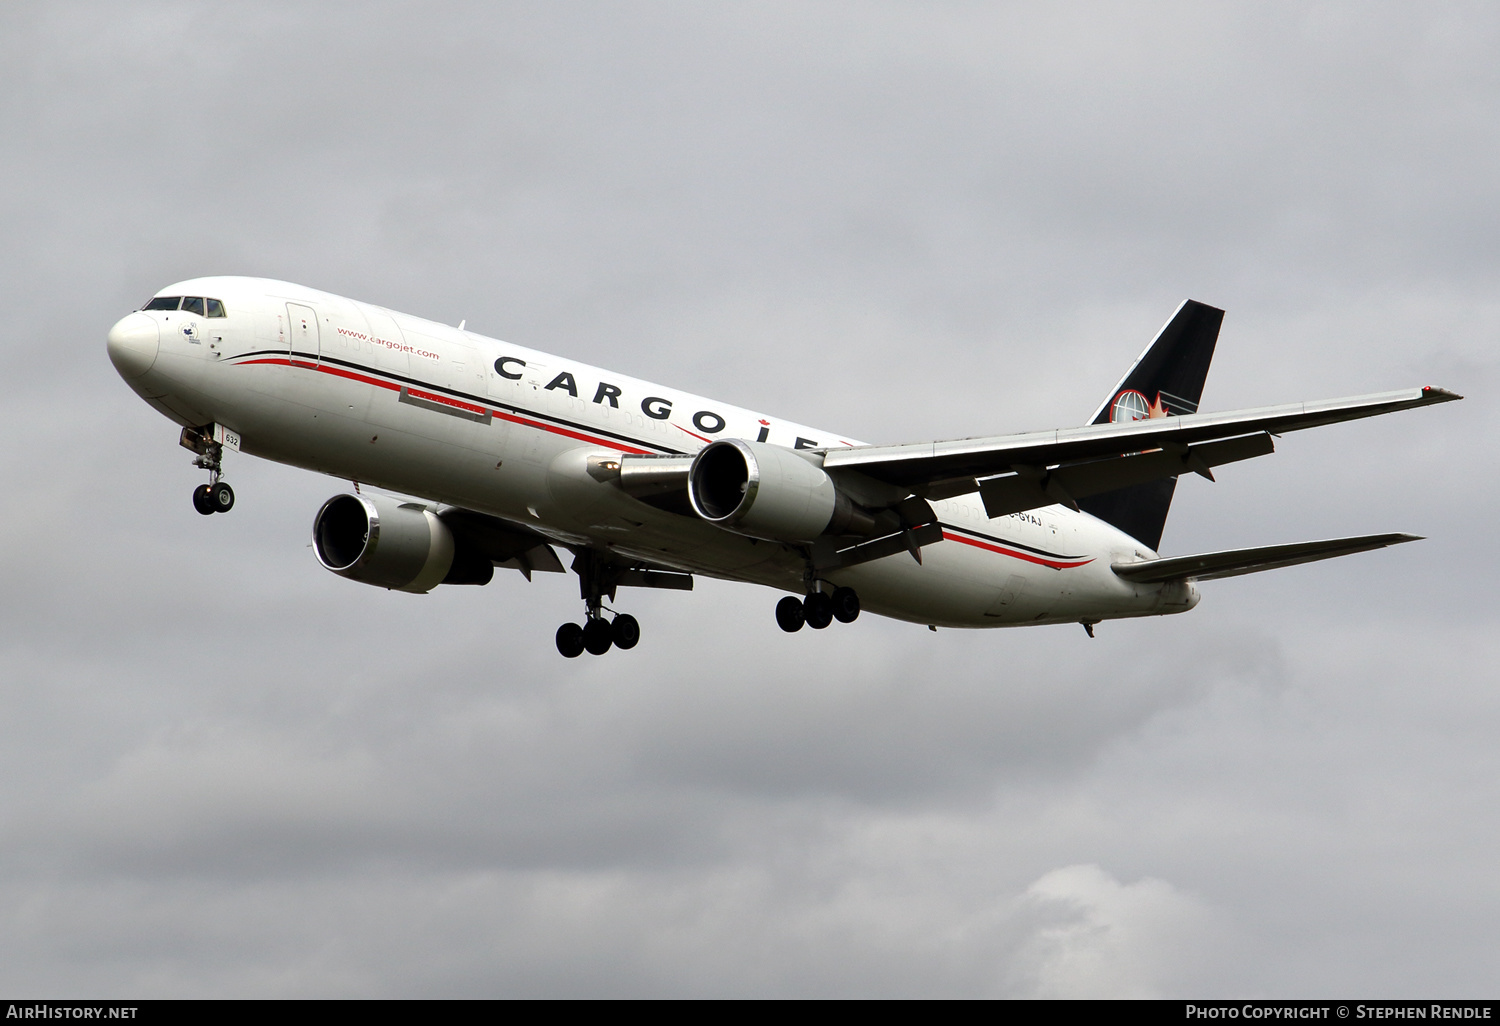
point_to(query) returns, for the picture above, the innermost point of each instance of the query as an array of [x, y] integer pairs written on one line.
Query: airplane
[[487, 455]]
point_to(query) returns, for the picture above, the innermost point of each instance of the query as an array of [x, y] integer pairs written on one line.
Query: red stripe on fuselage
[[608, 443], [695, 434], [1053, 563]]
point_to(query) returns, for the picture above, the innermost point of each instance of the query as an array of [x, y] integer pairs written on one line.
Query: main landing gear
[[818, 610], [216, 496], [596, 635]]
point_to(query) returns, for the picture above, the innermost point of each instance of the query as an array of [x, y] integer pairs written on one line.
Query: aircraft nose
[[133, 342]]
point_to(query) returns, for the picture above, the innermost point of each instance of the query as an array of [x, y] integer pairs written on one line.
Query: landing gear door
[[302, 334]]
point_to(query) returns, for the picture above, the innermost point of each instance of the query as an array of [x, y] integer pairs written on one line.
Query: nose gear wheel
[[202, 500], [216, 496]]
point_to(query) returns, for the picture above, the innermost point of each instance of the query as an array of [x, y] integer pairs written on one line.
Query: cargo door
[[302, 334]]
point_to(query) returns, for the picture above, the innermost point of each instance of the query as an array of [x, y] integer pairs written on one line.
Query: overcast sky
[[226, 772]]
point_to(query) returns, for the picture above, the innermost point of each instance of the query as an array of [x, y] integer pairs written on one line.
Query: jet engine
[[767, 491], [404, 546]]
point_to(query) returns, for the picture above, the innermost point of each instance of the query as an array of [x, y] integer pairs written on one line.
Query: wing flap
[[1210, 566], [504, 544], [1030, 487]]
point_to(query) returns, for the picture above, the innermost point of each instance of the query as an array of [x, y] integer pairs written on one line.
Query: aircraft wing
[[503, 544], [1060, 465], [1234, 562]]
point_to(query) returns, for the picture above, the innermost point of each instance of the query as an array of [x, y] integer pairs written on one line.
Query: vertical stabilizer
[[1167, 380]]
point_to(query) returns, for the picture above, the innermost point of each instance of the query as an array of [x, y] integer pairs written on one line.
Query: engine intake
[[404, 546], [766, 491]]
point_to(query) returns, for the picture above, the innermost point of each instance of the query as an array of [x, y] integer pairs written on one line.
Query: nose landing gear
[[216, 496], [818, 610]]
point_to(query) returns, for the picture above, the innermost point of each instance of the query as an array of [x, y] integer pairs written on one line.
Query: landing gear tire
[[203, 501], [817, 609], [221, 497], [625, 631], [597, 636], [570, 640], [789, 616], [845, 605]]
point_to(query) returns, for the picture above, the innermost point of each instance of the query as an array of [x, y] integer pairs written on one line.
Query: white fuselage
[[366, 394]]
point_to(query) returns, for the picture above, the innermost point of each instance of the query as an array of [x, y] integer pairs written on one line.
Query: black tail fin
[[1166, 380]]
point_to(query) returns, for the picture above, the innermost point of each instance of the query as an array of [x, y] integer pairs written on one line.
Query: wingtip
[[1439, 395]]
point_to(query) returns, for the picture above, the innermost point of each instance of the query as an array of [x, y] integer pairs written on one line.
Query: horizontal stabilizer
[[1212, 565]]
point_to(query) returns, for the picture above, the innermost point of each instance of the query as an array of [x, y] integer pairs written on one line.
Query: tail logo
[[1131, 405]]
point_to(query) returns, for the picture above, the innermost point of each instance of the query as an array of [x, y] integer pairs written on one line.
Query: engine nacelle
[[375, 539], [766, 491]]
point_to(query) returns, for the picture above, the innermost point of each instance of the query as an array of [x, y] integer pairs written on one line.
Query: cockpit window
[[192, 304]]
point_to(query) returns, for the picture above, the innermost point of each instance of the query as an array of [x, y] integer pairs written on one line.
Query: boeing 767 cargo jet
[[503, 456]]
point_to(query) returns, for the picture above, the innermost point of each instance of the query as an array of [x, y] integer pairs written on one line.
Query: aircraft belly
[[964, 585]]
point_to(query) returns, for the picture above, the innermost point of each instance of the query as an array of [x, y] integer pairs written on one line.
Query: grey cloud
[[226, 772]]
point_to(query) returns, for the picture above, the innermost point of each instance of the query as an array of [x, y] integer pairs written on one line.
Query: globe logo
[[1129, 406]]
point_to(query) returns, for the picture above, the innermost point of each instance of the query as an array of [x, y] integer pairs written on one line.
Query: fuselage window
[[215, 308], [193, 304], [163, 303]]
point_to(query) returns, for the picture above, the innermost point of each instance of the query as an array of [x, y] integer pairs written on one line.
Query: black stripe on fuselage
[[1004, 541]]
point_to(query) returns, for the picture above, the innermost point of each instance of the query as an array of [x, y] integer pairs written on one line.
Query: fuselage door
[[302, 334]]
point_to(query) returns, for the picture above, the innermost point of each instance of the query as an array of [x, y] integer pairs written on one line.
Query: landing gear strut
[[818, 610], [216, 496], [597, 578]]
